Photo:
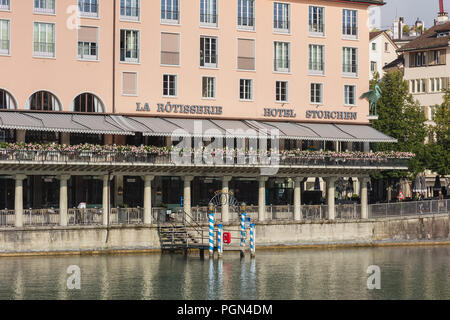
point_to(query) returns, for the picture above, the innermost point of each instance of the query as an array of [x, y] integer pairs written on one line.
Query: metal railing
[[127, 216], [92, 216], [349, 31], [208, 19], [4, 46], [44, 49], [7, 218], [350, 68], [316, 28], [129, 55], [131, 13], [281, 25], [41, 217], [154, 159], [92, 51], [283, 65], [246, 22], [170, 16], [404, 209], [88, 9]]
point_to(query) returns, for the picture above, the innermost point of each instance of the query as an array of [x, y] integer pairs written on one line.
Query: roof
[[429, 39], [373, 35], [380, 2], [396, 63], [187, 127]]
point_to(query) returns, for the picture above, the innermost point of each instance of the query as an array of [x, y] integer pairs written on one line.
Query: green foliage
[[400, 117]]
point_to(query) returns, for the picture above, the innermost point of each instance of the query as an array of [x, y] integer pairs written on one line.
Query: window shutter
[[170, 48], [129, 83], [88, 34], [246, 54]]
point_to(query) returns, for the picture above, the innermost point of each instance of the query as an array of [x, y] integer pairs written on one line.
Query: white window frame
[[285, 56], [175, 89], [87, 57], [245, 92], [278, 91], [124, 16], [246, 14], [44, 7], [347, 97], [313, 93], [39, 54], [170, 4], [208, 48], [209, 89], [211, 8], [5, 52], [320, 62], [345, 27], [136, 59], [436, 85], [353, 52], [89, 14], [5, 5], [320, 18], [276, 17]]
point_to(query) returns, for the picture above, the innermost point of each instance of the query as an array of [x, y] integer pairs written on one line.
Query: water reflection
[[406, 273]]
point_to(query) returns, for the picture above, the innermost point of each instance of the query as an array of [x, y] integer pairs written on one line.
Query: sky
[[426, 10]]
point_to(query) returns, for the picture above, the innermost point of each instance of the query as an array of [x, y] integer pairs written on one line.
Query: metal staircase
[[185, 235]]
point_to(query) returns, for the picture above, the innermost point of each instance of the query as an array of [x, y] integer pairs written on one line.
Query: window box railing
[[4, 46], [207, 19], [168, 16], [349, 69], [350, 32], [89, 10], [247, 23], [129, 13], [44, 49], [44, 10], [282, 65], [282, 26], [92, 52], [317, 29], [208, 61], [4, 7], [129, 55]]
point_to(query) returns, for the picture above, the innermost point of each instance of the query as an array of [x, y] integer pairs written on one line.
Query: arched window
[[87, 102], [6, 100], [44, 101]]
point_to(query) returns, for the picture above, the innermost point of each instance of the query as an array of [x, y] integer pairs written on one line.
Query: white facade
[[382, 51]]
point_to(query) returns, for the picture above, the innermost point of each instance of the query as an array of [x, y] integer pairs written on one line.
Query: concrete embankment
[[98, 240]]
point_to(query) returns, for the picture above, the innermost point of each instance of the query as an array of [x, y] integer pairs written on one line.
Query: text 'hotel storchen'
[[130, 108]]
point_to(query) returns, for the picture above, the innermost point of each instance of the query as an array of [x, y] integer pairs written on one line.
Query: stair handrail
[[192, 224]]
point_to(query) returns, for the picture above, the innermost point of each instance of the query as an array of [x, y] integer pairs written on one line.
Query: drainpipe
[[114, 60]]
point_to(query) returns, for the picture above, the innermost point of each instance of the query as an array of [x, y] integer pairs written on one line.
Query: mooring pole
[[243, 216], [252, 241], [220, 240], [211, 230]]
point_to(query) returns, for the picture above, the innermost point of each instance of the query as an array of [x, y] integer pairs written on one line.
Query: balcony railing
[[44, 49], [85, 217], [7, 218], [41, 217], [127, 216]]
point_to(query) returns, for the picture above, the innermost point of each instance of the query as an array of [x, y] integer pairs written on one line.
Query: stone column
[[364, 198], [298, 199], [63, 201], [148, 199], [225, 206], [18, 199], [106, 199], [330, 197], [262, 198], [187, 196]]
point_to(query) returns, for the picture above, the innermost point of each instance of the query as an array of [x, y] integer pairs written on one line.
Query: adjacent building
[[382, 52]]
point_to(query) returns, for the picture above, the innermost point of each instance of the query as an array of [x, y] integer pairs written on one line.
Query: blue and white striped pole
[[252, 240], [243, 216], [211, 230], [220, 240]]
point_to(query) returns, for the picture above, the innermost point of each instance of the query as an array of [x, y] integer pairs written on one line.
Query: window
[[44, 40], [282, 62], [350, 93], [438, 84], [373, 66], [437, 57], [281, 21], [245, 89], [87, 43], [374, 46], [349, 23], [412, 86], [170, 49], [129, 46], [169, 85], [44, 6], [209, 87], [316, 20], [208, 12], [316, 59], [246, 14], [208, 52], [43, 101], [6, 100], [88, 8], [129, 10], [87, 102], [4, 5], [420, 86], [129, 84], [316, 93], [350, 61], [246, 54], [386, 47], [170, 12], [281, 91], [417, 59], [4, 37]]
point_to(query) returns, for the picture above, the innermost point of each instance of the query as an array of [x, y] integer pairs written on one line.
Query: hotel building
[[133, 72]]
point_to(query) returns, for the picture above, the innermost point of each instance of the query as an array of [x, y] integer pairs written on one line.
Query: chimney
[[442, 15]]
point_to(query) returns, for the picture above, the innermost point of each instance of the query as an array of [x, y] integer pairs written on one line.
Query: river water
[[406, 273]]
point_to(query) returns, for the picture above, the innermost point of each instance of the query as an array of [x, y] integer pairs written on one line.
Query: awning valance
[[183, 127]]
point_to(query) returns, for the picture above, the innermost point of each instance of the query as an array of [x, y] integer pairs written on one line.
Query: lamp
[[211, 207], [243, 207]]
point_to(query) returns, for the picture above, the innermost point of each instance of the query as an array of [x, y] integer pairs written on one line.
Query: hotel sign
[[180, 108], [279, 113], [331, 115]]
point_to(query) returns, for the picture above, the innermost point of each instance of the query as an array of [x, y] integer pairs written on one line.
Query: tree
[[402, 118], [406, 29], [439, 146]]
